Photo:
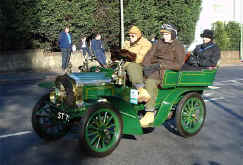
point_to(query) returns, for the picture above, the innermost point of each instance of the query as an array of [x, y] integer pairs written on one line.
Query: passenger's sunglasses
[[132, 35]]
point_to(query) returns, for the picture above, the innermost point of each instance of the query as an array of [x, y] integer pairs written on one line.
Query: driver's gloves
[[148, 70]]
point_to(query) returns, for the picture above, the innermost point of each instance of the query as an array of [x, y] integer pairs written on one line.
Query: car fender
[[131, 124]]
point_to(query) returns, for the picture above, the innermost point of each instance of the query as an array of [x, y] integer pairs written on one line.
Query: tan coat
[[170, 56], [140, 48]]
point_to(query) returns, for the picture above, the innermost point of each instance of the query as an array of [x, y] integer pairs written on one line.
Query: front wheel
[[190, 114], [102, 130], [45, 120]]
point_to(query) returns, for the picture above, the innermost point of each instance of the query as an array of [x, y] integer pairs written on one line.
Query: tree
[[227, 35], [221, 37], [149, 15], [233, 31], [18, 21], [37, 23]]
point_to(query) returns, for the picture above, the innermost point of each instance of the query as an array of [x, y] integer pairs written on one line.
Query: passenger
[[204, 55], [139, 46], [168, 53]]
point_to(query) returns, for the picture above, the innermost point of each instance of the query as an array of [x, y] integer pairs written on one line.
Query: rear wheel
[[102, 130], [45, 120], [190, 114]]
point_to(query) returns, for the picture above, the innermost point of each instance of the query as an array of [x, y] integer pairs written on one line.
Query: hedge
[[37, 23]]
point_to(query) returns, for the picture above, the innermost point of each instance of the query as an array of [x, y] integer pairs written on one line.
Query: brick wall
[[230, 57]]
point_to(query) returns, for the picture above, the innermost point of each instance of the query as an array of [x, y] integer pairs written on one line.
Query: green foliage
[[56, 14], [221, 37], [149, 15], [37, 23], [17, 23], [233, 31], [227, 35]]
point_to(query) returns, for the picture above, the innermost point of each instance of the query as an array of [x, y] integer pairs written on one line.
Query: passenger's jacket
[[169, 55], [140, 48], [205, 55]]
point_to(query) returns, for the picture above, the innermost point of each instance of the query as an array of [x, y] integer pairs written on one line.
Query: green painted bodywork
[[173, 87], [169, 97], [188, 78]]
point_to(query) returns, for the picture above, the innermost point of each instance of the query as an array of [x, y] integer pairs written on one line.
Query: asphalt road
[[220, 142]]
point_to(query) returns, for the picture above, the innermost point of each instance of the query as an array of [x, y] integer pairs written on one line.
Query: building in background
[[216, 10]]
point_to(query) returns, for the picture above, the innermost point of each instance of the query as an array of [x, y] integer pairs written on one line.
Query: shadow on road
[[170, 125], [209, 163], [228, 110], [33, 150]]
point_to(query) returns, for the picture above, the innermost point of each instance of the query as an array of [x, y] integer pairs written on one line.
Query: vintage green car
[[104, 103]]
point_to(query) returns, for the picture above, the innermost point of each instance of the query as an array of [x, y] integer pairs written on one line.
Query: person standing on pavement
[[65, 44], [97, 48], [84, 47]]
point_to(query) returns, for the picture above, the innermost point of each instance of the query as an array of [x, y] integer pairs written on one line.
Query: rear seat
[[203, 77]]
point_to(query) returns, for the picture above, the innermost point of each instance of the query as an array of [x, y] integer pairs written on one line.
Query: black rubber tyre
[[70, 98], [102, 129], [190, 114], [45, 122]]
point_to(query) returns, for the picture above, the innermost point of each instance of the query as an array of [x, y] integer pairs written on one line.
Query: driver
[[168, 53], [139, 46]]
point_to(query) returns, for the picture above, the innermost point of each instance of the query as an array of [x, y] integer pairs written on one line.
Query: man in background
[[65, 44], [98, 50]]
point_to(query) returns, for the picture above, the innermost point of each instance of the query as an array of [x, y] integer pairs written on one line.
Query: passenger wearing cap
[[139, 46], [169, 54], [204, 55]]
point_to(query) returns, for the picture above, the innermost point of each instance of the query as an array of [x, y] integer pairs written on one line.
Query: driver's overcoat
[[170, 56]]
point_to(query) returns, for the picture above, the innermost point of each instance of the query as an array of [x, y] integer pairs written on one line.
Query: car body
[[104, 104]]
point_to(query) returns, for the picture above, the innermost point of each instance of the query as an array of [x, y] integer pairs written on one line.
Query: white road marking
[[227, 82], [207, 94], [213, 87], [236, 82], [15, 134], [213, 99]]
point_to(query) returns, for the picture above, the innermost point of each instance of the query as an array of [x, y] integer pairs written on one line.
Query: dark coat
[[99, 51], [63, 40], [97, 47], [205, 55], [169, 55]]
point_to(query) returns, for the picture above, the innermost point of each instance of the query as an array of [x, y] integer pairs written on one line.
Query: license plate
[[63, 116], [134, 96]]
